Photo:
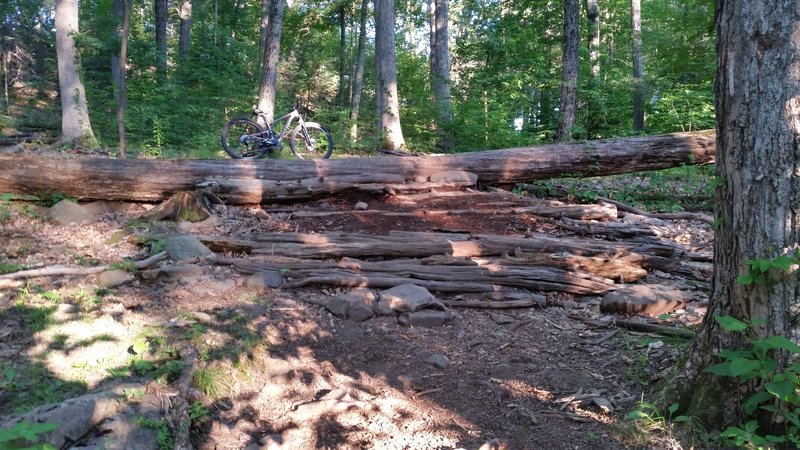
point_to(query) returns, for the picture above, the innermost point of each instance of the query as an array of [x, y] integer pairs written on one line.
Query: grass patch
[[211, 380]]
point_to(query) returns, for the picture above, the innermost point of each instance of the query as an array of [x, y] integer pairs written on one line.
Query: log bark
[[260, 181]]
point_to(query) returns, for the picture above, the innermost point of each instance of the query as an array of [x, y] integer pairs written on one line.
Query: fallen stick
[[56, 271], [666, 216], [653, 328], [483, 304]]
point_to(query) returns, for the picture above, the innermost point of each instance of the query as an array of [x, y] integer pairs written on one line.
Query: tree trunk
[[269, 67], [262, 30], [123, 58], [569, 85], [593, 15], [757, 200], [358, 79], [389, 104], [638, 66], [117, 10], [440, 72], [257, 181], [342, 94], [161, 34], [185, 14], [75, 125]]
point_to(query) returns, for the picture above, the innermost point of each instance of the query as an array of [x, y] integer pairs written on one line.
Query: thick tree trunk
[[440, 72], [257, 181], [185, 14], [269, 67], [638, 66], [389, 103], [358, 78], [569, 84], [757, 201], [75, 125], [161, 34]]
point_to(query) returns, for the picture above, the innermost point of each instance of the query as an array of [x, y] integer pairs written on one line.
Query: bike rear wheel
[[241, 138], [313, 143]]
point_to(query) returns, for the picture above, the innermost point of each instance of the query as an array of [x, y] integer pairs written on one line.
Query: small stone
[[603, 404], [264, 279], [66, 212], [501, 319], [65, 311], [361, 206], [410, 298], [409, 382], [202, 317], [113, 278], [439, 361], [355, 305], [185, 247]]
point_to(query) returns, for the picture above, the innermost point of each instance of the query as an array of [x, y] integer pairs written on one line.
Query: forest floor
[[272, 369]]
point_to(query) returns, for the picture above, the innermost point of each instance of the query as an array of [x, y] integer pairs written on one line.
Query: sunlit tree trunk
[[75, 125], [440, 71], [269, 67], [757, 203], [161, 34], [185, 15], [638, 66], [358, 78], [569, 84], [388, 103], [341, 95], [123, 57]]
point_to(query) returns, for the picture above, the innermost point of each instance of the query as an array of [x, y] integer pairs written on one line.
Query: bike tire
[[236, 139], [316, 143]]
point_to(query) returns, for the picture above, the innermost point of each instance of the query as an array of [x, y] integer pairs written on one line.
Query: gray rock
[[113, 278], [202, 317], [264, 279], [66, 212], [645, 299], [428, 318], [185, 247], [361, 206], [355, 305], [382, 308], [409, 298], [439, 361]]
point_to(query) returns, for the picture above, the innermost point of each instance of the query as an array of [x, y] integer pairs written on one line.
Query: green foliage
[[165, 439], [647, 418], [198, 413], [210, 380], [768, 271], [24, 436], [777, 390], [127, 265], [9, 267]]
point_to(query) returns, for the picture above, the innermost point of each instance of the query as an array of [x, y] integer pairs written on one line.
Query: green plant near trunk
[[24, 436], [776, 403]]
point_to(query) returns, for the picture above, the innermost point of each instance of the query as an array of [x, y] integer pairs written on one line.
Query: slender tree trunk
[[118, 11], [341, 95], [269, 67], [638, 66], [266, 5], [123, 57], [593, 15], [4, 61], [161, 34], [389, 112], [569, 85], [75, 125], [440, 72], [185, 14], [358, 79], [757, 204]]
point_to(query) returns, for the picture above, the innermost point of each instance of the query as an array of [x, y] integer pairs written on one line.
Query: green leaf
[[681, 419], [744, 366], [730, 324], [783, 390], [780, 342], [672, 408], [141, 346], [722, 369], [10, 374], [745, 280], [784, 262], [636, 415], [756, 399]]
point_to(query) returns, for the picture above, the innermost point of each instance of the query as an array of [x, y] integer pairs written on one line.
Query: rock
[[383, 309], [355, 305], [185, 247], [501, 319], [410, 298], [428, 318], [65, 312], [272, 441], [206, 225], [409, 382], [603, 404], [495, 444], [66, 212], [202, 317], [264, 279], [361, 206], [639, 298], [113, 278], [439, 361]]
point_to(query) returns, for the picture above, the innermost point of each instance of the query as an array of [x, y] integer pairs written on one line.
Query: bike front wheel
[[241, 138], [311, 142]]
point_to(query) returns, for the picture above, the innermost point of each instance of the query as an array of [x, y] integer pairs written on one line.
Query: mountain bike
[[246, 138]]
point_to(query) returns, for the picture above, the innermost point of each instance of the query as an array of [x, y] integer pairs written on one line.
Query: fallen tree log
[[260, 181]]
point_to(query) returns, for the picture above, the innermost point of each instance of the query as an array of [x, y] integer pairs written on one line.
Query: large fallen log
[[259, 181]]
